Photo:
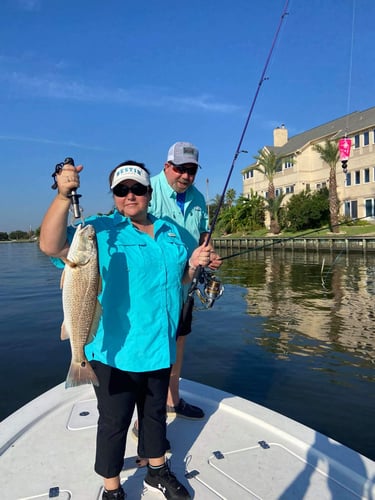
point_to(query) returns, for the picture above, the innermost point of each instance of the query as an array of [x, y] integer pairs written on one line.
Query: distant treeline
[[19, 235]]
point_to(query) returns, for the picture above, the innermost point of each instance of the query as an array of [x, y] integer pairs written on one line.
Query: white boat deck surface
[[240, 450]]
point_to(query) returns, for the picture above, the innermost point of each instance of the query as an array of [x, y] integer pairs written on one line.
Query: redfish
[[80, 283]]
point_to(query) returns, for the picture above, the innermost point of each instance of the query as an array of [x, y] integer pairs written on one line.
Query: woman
[[142, 263]]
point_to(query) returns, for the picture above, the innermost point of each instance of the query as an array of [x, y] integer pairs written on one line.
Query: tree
[[307, 210], [268, 164], [226, 222], [250, 213], [273, 207], [213, 206], [230, 197], [330, 155], [18, 235]]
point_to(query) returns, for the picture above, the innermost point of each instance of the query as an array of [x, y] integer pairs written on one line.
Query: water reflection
[[310, 303], [294, 332]]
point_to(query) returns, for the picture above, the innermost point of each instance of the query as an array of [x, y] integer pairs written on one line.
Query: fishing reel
[[210, 290]]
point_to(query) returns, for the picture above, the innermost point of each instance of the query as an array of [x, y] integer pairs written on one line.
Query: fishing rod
[[74, 196], [291, 238], [212, 288]]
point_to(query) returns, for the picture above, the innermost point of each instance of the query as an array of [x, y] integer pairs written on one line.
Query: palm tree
[[250, 212], [329, 153], [230, 197], [268, 164], [273, 207]]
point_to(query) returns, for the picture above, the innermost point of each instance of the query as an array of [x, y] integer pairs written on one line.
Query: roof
[[349, 124]]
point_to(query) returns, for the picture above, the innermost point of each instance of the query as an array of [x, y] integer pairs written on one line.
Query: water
[[293, 332]]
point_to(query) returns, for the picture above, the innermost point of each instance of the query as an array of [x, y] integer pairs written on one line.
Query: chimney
[[280, 136]]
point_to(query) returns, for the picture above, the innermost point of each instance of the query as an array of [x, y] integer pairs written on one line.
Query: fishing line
[[329, 271], [213, 287], [239, 150], [291, 238], [350, 70], [344, 144]]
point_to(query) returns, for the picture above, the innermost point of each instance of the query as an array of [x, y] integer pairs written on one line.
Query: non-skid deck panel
[[84, 415], [220, 454]]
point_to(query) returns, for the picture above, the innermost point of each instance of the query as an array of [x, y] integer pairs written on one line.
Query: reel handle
[[74, 196]]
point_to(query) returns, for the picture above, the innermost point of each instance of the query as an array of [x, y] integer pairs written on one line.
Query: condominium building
[[302, 167]]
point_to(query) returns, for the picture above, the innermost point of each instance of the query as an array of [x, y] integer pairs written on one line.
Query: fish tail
[[79, 374]]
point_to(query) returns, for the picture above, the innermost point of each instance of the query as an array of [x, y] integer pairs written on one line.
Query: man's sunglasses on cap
[[122, 190]]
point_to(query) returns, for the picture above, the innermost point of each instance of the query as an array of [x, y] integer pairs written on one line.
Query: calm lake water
[[293, 332]]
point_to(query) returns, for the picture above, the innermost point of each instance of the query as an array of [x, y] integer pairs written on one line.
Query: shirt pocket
[[134, 255]]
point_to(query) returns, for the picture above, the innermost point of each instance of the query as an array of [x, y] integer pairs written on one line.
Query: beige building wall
[[303, 168]]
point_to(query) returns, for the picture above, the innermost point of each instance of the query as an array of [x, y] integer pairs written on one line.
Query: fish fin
[[79, 374], [64, 332], [95, 322], [70, 263]]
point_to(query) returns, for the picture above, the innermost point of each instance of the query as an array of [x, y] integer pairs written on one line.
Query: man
[[176, 199]]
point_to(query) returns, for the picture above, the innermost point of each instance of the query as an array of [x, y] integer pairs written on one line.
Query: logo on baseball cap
[[133, 172], [183, 152]]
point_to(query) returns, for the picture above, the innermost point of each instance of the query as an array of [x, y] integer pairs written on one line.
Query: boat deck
[[240, 450]]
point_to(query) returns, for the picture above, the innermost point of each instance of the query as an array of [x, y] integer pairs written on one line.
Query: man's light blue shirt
[[192, 223]]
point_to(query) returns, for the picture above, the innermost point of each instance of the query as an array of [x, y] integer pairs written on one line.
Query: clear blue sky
[[108, 81]]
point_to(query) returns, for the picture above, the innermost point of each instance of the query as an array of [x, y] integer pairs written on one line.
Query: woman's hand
[[52, 239], [68, 179]]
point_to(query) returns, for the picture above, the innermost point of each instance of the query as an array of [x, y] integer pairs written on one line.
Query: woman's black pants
[[118, 393]]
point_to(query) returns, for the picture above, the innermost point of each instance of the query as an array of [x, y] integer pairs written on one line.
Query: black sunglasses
[[122, 190], [184, 170]]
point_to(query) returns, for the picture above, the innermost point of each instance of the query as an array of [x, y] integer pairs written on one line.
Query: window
[[357, 177], [348, 179], [356, 141], [354, 209], [278, 191], [366, 138], [366, 175], [351, 209], [369, 208], [288, 163], [347, 209], [249, 174], [289, 189]]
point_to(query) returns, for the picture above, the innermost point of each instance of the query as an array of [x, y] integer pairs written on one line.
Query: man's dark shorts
[[186, 318]]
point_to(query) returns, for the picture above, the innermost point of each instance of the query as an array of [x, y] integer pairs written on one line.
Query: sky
[[109, 81]]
